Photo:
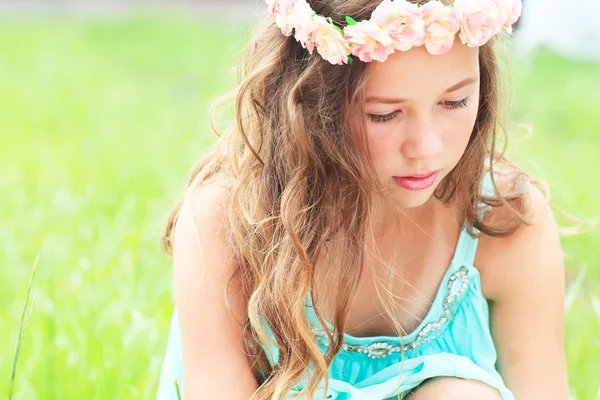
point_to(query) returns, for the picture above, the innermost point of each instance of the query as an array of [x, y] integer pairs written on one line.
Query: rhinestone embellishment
[[425, 335]]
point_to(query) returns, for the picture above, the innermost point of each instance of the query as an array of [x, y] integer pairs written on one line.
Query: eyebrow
[[391, 100]]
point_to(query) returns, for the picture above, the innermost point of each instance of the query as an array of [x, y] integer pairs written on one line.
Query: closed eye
[[381, 118], [453, 105], [450, 105]]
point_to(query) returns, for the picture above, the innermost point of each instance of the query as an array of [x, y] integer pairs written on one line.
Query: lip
[[417, 182], [419, 175]]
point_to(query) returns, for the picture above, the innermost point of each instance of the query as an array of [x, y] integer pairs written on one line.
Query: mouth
[[418, 181], [418, 176]]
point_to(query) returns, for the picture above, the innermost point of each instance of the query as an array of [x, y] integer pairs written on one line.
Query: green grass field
[[100, 123]]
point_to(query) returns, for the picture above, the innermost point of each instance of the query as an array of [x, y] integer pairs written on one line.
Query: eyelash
[[450, 105]]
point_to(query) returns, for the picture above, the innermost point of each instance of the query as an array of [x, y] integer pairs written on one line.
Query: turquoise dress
[[453, 340]]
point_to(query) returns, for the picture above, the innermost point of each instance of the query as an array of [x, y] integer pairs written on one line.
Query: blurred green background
[[100, 123]]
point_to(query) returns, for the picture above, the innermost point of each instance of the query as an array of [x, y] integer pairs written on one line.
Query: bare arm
[[524, 278], [214, 364]]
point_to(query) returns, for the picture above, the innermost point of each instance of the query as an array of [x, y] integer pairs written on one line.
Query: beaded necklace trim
[[425, 335]]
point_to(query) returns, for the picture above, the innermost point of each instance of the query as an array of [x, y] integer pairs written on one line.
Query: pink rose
[[295, 17], [502, 13], [330, 43], [509, 13], [441, 24], [271, 5], [301, 21], [283, 11], [369, 42], [403, 21], [514, 13], [480, 21]]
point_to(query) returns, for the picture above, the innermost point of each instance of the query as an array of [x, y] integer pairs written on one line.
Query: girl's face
[[421, 111]]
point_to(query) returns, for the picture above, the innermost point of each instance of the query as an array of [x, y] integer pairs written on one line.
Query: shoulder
[[522, 275], [208, 297], [203, 211], [207, 203], [201, 253], [531, 254]]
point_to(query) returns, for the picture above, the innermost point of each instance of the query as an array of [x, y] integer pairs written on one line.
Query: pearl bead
[[426, 334]]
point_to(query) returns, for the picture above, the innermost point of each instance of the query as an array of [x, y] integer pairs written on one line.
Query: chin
[[407, 199]]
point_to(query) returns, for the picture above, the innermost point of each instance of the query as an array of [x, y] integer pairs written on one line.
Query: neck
[[385, 219]]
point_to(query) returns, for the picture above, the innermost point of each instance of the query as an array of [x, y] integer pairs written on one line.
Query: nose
[[423, 140]]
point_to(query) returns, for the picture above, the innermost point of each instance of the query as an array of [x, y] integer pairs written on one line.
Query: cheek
[[379, 156], [383, 146], [459, 129], [379, 141]]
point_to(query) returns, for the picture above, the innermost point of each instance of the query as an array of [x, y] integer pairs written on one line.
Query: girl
[[357, 234]]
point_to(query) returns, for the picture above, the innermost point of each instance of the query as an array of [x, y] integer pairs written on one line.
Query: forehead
[[416, 72]]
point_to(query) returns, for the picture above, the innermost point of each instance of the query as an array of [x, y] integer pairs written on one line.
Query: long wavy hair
[[299, 182]]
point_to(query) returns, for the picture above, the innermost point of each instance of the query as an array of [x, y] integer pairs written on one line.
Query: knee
[[454, 389]]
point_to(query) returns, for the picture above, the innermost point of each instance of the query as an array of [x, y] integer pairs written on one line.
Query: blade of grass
[[177, 389], [574, 287], [27, 309]]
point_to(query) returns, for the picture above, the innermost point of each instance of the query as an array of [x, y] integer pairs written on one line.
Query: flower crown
[[395, 25]]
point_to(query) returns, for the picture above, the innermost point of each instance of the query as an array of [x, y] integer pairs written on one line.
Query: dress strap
[[487, 189], [467, 245], [465, 250]]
